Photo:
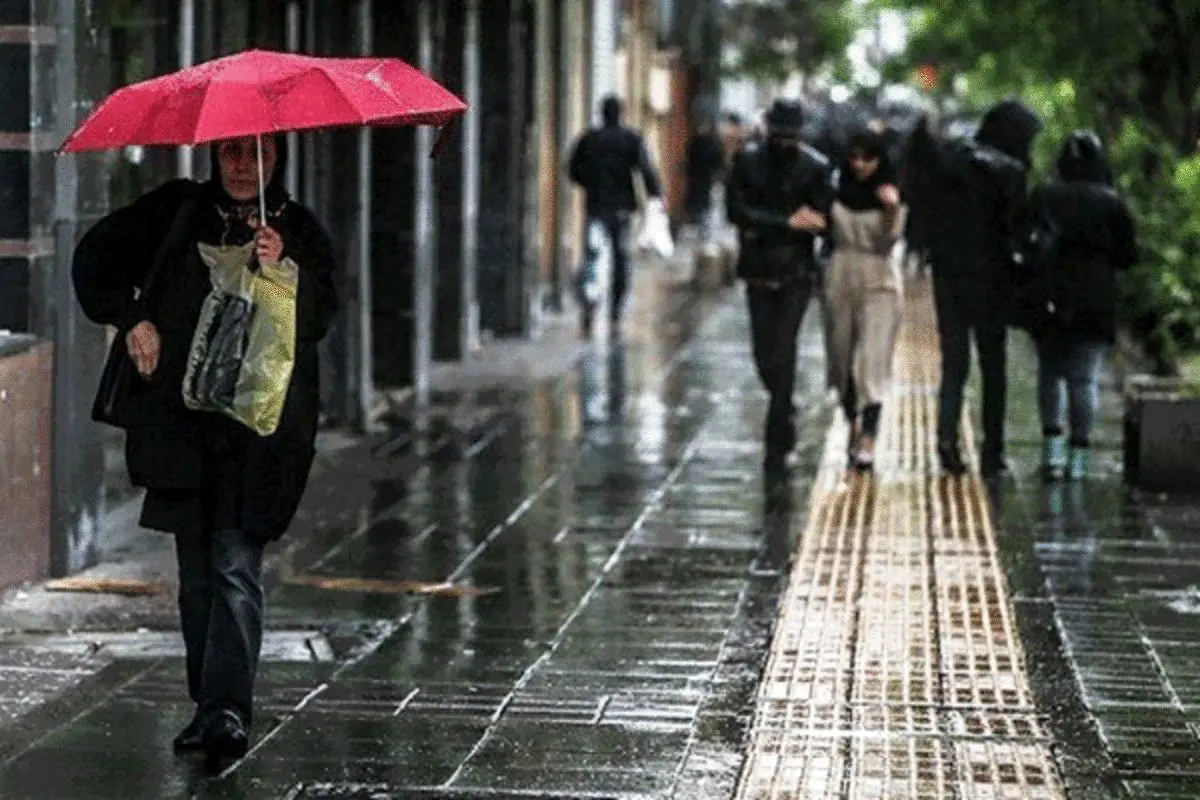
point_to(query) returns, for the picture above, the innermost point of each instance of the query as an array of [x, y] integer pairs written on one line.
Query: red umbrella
[[261, 92]]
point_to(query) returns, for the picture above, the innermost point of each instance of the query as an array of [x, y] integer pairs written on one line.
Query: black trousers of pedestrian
[[775, 317], [958, 320], [221, 613], [617, 228]]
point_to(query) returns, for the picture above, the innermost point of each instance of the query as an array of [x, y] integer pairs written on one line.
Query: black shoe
[[952, 460], [225, 740], [191, 738]]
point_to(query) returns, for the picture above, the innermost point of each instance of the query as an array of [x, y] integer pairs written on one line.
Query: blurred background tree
[[1130, 69], [775, 39]]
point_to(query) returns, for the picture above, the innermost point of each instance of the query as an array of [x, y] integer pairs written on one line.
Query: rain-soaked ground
[[614, 518]]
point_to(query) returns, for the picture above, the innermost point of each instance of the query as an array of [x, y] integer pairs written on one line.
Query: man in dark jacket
[[780, 192], [603, 163], [968, 193]]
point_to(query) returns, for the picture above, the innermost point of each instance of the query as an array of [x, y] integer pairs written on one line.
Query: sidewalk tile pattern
[[896, 670]]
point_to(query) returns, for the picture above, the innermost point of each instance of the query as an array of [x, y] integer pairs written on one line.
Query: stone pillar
[[458, 37], [505, 111], [392, 213]]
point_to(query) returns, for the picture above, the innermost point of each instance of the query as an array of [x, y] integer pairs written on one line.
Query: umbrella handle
[[262, 189]]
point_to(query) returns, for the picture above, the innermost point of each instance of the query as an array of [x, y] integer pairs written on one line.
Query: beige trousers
[[863, 324]]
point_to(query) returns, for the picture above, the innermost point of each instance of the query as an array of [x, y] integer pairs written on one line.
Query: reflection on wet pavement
[[620, 512]]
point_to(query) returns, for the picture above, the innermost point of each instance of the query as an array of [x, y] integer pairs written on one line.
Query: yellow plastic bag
[[244, 348]]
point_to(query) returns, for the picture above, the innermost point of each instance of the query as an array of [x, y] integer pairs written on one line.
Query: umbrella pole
[[262, 189]]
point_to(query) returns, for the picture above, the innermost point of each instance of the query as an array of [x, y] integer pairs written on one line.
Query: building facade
[[435, 252]]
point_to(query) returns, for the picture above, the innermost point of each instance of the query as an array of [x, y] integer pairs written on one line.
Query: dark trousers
[[616, 228], [775, 318], [221, 613], [958, 319]]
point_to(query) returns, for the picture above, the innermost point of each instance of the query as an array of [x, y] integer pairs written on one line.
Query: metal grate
[[896, 670]]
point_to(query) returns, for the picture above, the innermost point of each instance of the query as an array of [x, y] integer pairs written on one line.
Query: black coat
[[765, 189], [603, 163], [169, 449], [966, 199], [1096, 240]]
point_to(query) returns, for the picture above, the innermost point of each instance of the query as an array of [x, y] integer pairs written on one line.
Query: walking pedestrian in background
[[1087, 238], [970, 193], [603, 163], [864, 289], [780, 192]]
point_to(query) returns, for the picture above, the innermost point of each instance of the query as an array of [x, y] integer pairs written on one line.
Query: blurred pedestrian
[[969, 193], [603, 163], [1086, 237], [779, 198], [864, 289], [224, 491]]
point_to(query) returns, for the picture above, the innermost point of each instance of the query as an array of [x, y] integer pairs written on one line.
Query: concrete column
[[77, 465], [423, 227], [546, 174], [469, 321]]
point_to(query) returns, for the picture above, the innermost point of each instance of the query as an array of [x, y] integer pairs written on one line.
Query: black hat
[[785, 118]]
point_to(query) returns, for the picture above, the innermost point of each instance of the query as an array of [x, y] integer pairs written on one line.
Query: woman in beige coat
[[864, 293]]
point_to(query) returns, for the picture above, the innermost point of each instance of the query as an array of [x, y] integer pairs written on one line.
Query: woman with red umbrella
[[224, 491]]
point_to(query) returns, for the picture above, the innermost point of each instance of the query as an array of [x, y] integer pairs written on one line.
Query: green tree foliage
[[1129, 69], [774, 38]]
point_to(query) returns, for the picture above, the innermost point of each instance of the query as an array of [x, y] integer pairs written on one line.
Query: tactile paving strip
[[896, 670]]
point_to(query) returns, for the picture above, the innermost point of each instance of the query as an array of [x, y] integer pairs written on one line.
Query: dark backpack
[[1036, 253]]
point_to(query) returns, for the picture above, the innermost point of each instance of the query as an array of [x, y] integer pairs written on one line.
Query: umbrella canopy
[[262, 92]]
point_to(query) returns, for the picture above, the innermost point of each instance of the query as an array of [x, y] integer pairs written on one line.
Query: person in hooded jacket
[[1074, 321], [864, 289], [220, 488], [968, 195], [779, 197]]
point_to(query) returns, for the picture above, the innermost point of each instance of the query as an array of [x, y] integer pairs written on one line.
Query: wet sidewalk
[[623, 615], [615, 577], [896, 668]]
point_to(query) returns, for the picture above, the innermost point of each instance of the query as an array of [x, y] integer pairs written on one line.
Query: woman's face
[[863, 164], [238, 159]]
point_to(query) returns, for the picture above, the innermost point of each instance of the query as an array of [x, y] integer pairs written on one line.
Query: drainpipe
[[293, 44], [187, 57], [423, 230]]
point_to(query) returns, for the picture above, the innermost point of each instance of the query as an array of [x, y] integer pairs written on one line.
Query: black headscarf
[[862, 195], [233, 227], [1082, 160]]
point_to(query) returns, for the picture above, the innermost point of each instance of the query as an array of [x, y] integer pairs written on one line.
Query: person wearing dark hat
[[780, 193], [969, 194]]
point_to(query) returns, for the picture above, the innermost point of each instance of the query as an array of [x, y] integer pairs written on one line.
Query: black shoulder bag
[[112, 397]]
